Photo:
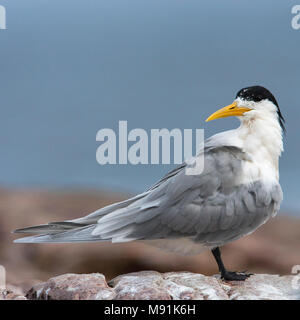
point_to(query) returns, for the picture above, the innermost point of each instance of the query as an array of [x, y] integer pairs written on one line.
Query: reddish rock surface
[[73, 287], [12, 293], [151, 285]]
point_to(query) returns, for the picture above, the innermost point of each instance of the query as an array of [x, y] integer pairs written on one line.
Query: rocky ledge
[[151, 285]]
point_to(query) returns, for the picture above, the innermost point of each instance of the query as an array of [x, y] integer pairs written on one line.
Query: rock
[[144, 285], [12, 293], [193, 286], [264, 287], [72, 287], [152, 285]]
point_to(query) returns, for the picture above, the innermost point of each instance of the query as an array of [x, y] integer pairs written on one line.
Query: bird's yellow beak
[[229, 111]]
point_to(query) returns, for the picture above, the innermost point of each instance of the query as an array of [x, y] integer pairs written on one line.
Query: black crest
[[258, 93]]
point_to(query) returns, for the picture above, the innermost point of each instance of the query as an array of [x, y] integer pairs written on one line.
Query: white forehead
[[263, 105]]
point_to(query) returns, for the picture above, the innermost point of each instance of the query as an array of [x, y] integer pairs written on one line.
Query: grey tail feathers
[[51, 227], [79, 234], [116, 223], [65, 231]]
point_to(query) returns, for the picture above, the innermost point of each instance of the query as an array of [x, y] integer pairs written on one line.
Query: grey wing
[[208, 208]]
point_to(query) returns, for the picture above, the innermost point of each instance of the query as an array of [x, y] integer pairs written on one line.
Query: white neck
[[260, 137]]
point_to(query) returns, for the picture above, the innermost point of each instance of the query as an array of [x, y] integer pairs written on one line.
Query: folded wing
[[209, 208]]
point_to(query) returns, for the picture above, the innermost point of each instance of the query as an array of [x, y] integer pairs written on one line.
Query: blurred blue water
[[69, 68]]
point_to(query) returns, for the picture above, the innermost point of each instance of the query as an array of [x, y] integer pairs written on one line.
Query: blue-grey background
[[69, 68]]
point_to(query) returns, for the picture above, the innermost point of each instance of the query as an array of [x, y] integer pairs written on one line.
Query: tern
[[237, 191]]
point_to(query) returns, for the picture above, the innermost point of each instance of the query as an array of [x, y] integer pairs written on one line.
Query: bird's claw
[[235, 276]]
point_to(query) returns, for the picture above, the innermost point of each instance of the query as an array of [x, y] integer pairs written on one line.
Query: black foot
[[235, 276]]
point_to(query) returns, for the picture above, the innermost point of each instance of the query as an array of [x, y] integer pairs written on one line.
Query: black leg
[[228, 275]]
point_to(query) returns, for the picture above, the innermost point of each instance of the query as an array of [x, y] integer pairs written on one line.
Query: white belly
[[182, 246]]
